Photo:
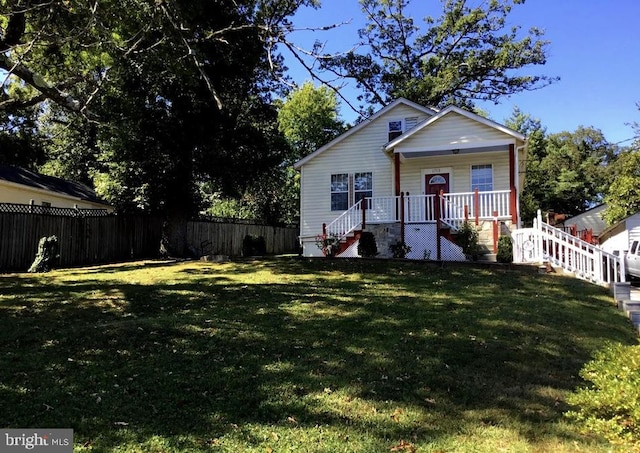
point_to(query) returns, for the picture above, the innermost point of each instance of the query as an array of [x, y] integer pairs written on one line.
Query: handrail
[[346, 222], [585, 260]]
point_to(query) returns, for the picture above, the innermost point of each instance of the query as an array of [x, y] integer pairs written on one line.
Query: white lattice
[[422, 238]]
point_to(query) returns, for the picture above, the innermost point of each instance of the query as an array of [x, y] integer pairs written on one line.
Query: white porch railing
[[455, 209], [546, 243]]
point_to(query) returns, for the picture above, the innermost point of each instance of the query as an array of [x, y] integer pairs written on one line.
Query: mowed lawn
[[290, 355]]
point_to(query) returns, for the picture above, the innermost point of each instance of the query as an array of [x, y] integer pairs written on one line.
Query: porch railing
[[455, 209], [546, 243]]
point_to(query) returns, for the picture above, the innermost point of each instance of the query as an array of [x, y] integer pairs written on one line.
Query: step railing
[[345, 223], [544, 243]]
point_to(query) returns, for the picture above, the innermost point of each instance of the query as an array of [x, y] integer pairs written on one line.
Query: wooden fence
[[93, 240]]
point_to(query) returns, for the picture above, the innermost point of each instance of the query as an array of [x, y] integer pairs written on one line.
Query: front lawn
[[295, 355]]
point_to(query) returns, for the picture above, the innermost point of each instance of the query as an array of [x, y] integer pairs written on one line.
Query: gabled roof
[[363, 124], [28, 178], [446, 111]]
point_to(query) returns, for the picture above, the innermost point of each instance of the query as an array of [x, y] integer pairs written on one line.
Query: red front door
[[434, 184]]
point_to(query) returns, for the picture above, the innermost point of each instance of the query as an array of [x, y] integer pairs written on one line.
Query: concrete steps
[[627, 297]]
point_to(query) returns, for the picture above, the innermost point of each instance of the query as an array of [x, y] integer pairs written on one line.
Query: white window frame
[[331, 191], [471, 182]]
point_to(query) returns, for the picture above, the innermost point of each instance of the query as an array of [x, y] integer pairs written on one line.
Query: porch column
[[513, 196], [396, 170]]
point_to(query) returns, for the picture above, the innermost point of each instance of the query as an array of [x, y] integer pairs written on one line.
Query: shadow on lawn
[[205, 355]]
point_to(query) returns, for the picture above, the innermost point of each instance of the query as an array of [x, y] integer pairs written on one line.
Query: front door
[[434, 183]]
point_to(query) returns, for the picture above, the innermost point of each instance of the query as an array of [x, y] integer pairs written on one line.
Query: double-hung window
[[347, 189], [340, 192], [482, 177]]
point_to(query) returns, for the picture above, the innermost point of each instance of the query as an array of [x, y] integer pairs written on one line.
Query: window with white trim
[[347, 189], [395, 129], [340, 192], [482, 177], [362, 186]]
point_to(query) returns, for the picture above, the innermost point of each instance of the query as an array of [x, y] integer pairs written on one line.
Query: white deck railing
[[546, 243], [421, 208]]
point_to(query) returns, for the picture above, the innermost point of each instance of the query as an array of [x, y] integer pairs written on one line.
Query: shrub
[[367, 245], [329, 244], [610, 406], [399, 249], [467, 238], [505, 250], [254, 246]]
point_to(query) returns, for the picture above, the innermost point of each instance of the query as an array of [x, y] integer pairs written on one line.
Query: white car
[[632, 259]]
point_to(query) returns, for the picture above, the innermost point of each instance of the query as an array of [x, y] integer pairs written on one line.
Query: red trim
[[495, 231], [402, 216], [476, 205], [512, 184]]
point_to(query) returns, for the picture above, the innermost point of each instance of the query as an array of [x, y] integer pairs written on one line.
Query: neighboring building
[[618, 236], [399, 160], [588, 225], [21, 186]]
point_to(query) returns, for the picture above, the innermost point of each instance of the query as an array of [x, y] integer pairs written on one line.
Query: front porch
[[425, 222]]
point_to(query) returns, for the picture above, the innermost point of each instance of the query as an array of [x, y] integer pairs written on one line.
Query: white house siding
[[633, 225], [359, 152], [411, 170], [17, 193]]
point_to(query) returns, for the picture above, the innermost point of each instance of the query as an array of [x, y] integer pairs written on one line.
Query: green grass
[[295, 356]]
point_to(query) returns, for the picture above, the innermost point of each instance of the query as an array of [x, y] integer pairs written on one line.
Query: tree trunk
[[174, 236]]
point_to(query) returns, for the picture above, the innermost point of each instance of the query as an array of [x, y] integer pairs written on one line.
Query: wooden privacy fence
[[217, 238], [82, 240], [93, 240]]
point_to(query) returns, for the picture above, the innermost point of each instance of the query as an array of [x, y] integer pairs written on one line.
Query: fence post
[[466, 212], [363, 205]]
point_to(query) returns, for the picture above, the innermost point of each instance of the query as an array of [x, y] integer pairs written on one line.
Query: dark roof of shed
[[28, 178]]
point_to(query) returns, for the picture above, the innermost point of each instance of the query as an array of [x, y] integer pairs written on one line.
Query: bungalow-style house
[[21, 186], [412, 174]]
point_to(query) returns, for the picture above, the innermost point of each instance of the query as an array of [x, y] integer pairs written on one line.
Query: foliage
[[301, 355], [610, 406], [308, 118], [254, 246], [505, 249], [399, 249], [467, 238], [367, 246], [329, 244], [467, 54], [623, 197], [567, 172], [150, 99]]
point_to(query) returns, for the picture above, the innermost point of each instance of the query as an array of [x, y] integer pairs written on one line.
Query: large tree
[[467, 54], [151, 97]]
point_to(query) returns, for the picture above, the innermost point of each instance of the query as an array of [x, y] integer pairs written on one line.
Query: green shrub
[[367, 245], [610, 406], [254, 246], [505, 250], [467, 238], [399, 249]]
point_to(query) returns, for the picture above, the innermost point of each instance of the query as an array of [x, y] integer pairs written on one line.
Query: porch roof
[[455, 143]]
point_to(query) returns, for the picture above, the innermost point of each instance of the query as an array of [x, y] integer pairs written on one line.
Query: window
[[362, 186], [339, 192], [46, 204], [395, 129], [482, 177], [347, 189]]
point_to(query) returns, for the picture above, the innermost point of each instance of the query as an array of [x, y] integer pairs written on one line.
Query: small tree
[[505, 250]]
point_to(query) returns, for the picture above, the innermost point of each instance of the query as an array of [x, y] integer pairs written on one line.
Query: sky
[[594, 49]]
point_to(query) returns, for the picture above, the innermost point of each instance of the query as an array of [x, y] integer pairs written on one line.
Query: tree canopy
[[467, 54]]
